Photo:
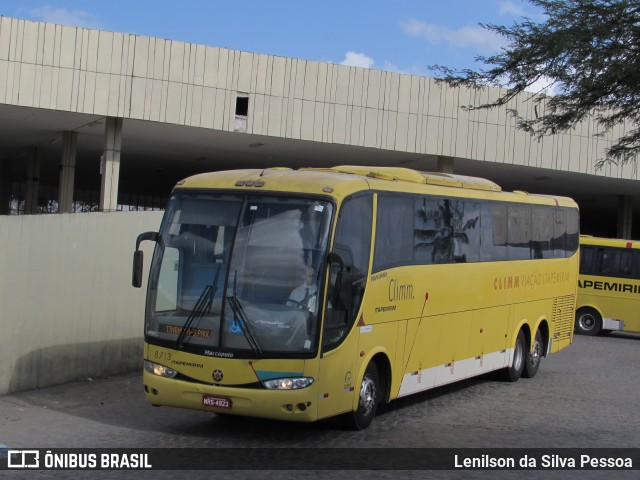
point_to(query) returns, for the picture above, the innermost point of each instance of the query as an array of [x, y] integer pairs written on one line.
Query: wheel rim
[[518, 355], [587, 322], [534, 358], [367, 395]]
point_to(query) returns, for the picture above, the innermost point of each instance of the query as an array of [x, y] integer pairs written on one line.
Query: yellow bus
[[608, 286], [306, 294]]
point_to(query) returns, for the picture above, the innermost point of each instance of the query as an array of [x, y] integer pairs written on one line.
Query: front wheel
[[588, 321], [368, 399], [514, 372], [534, 357]]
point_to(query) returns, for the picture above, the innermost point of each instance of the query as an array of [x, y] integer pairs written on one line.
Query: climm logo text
[[609, 286]]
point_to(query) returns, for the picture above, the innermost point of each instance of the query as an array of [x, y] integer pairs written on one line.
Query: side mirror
[[138, 261], [138, 257]]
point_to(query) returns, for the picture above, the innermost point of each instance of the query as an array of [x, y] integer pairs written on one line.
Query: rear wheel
[[368, 399], [534, 357], [514, 372], [588, 321]]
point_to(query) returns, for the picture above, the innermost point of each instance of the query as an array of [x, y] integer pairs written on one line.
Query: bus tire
[[367, 400], [513, 372], [534, 357], [588, 322]]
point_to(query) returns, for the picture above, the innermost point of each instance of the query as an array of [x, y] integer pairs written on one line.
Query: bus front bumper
[[291, 405]]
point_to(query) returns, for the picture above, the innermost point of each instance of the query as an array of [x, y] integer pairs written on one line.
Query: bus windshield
[[239, 275]]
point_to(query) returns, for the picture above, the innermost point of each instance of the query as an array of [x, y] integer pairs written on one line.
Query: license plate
[[216, 402]]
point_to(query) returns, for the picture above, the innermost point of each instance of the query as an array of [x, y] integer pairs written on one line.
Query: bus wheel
[[514, 372], [368, 400], [534, 357], [588, 321]]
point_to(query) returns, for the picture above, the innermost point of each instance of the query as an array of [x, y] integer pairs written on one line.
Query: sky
[[406, 36]]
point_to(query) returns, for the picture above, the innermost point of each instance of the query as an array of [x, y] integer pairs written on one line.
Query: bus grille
[[563, 310]]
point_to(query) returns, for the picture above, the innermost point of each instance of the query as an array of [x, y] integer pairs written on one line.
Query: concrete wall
[[67, 307]]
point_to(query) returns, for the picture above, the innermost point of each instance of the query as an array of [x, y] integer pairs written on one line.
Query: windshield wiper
[[203, 305], [241, 319]]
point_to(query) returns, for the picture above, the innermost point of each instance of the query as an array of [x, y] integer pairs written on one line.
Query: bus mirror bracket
[[138, 257]]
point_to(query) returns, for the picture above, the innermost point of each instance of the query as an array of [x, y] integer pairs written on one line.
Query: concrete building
[[96, 120], [92, 117]]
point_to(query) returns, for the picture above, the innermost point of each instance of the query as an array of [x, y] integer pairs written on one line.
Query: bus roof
[[608, 242], [414, 176], [343, 180]]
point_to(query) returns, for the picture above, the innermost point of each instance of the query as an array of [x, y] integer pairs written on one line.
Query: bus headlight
[[288, 383], [160, 370]]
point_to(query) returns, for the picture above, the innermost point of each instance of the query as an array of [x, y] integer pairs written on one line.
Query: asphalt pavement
[[584, 397]]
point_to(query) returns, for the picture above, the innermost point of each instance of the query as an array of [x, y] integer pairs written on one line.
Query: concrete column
[[625, 216], [5, 186], [445, 164], [67, 172], [110, 164], [32, 182]]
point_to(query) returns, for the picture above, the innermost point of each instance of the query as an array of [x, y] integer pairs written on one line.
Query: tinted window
[[394, 232], [542, 228], [609, 261], [519, 232], [428, 229], [586, 260], [434, 232], [572, 230], [612, 262], [446, 230], [626, 262], [493, 237], [353, 233], [353, 244], [466, 231], [454, 230]]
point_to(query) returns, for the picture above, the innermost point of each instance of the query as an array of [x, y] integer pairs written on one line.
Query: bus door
[[348, 269]]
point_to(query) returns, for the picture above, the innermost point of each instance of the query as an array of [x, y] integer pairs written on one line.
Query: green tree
[[589, 51]]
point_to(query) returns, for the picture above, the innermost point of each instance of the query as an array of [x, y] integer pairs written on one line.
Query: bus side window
[[609, 261], [586, 260], [394, 232], [465, 227], [626, 263], [572, 231], [519, 232], [636, 264]]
